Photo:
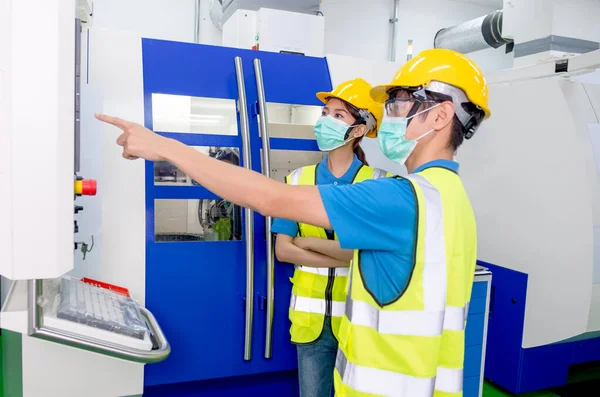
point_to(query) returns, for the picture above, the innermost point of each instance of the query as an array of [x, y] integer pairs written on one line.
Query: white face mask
[[392, 140]]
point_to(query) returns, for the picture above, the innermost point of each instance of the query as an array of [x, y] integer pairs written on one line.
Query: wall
[[157, 19], [358, 28]]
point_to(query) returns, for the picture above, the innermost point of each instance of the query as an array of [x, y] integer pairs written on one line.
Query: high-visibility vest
[[318, 292], [414, 346]]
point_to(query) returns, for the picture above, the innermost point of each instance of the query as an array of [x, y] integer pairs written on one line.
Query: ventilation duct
[[474, 35], [216, 13]]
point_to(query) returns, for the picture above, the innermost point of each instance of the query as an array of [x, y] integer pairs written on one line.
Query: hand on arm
[[286, 251], [330, 248], [236, 184]]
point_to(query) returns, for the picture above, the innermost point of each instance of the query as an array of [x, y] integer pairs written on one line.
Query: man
[[414, 238]]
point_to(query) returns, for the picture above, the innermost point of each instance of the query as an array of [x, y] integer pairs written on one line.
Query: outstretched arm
[[286, 251], [330, 248], [236, 184]]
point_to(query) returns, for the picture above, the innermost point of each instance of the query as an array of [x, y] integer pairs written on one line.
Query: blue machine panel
[[505, 326], [474, 330], [508, 364], [197, 289], [281, 384], [288, 79], [472, 360], [471, 386]]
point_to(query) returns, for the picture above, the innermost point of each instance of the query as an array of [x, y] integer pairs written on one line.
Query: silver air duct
[[474, 35]]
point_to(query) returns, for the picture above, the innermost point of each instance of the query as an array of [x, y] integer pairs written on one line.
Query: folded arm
[[286, 251], [330, 248]]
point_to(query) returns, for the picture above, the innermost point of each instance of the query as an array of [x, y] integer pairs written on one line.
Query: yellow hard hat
[[444, 66], [357, 92]]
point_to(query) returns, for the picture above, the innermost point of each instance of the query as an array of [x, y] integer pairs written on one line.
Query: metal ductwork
[[474, 35]]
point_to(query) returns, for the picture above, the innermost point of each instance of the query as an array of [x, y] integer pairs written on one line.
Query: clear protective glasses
[[404, 103]]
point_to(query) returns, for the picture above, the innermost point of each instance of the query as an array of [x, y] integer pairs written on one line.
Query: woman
[[319, 281]]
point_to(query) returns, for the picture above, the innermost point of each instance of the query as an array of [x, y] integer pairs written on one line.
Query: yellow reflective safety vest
[[318, 292], [414, 347]]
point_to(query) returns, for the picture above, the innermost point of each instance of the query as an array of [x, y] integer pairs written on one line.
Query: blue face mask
[[330, 133], [392, 137]]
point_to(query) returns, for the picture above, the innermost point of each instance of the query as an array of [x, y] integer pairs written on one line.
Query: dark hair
[[360, 154], [457, 133]]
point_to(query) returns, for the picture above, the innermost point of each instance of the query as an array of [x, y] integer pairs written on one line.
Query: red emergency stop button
[[85, 187]]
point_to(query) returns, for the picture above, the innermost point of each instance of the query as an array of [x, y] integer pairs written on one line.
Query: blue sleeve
[[284, 226], [372, 215]]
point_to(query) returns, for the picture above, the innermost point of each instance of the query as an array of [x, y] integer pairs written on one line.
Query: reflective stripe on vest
[[313, 305], [401, 349], [308, 304], [388, 383], [324, 271]]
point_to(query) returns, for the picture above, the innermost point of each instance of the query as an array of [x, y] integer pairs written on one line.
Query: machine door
[[287, 111], [199, 247]]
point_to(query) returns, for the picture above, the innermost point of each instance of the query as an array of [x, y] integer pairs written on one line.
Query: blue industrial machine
[[219, 307]]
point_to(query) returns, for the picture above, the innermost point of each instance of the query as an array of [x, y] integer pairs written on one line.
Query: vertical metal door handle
[[249, 215], [263, 124]]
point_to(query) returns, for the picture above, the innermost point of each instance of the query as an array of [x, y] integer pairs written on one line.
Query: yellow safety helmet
[[430, 68], [357, 92]]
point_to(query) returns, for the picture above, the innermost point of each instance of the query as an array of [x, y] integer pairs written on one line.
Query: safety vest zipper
[[329, 291], [330, 280]]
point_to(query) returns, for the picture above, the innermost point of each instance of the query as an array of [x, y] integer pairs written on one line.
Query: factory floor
[[582, 379]]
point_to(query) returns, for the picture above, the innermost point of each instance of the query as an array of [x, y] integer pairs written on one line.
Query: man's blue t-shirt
[[379, 218], [323, 177]]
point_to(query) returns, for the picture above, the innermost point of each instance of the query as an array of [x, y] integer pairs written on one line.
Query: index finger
[[117, 122]]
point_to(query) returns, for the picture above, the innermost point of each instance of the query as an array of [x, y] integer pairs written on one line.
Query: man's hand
[[137, 141]]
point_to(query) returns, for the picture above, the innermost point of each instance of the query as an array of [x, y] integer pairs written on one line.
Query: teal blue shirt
[[323, 177], [379, 218]]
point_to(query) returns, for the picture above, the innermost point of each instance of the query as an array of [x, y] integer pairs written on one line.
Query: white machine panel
[[36, 184], [531, 176], [123, 191], [276, 31], [240, 30]]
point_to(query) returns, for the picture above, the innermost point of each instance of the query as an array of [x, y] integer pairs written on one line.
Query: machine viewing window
[[283, 162], [186, 114], [167, 174], [196, 220], [292, 121]]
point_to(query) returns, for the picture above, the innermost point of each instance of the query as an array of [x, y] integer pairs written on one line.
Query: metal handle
[[249, 215], [38, 330], [263, 126]]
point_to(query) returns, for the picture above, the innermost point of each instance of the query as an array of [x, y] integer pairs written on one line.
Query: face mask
[[330, 133], [392, 140]]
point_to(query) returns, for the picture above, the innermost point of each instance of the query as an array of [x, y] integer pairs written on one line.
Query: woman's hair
[[360, 154]]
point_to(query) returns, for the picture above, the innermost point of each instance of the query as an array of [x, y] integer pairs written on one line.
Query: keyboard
[[100, 308]]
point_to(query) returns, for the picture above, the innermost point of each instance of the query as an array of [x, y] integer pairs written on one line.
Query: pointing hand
[[137, 141]]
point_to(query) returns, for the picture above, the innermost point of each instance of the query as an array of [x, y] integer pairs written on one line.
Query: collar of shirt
[[325, 177], [443, 163]]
